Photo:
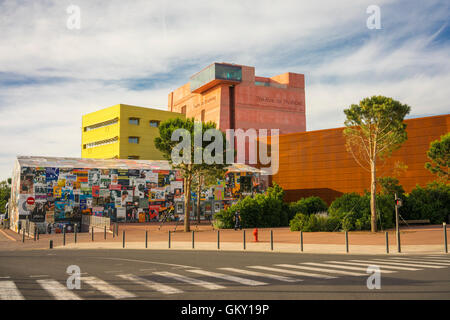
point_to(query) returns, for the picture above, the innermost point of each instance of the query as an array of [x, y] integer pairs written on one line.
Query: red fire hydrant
[[255, 234]]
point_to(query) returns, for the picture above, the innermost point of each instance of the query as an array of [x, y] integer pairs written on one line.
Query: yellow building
[[123, 132]]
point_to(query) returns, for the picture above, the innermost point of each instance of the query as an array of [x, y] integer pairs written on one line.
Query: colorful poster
[[95, 191], [154, 212], [158, 194], [51, 174]]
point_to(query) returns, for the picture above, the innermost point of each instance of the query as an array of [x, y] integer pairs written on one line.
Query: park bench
[[424, 221]]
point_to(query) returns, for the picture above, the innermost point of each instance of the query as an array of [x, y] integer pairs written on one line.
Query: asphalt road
[[171, 274]]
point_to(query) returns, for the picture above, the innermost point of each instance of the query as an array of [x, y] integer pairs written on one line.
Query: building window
[[133, 121], [203, 116], [154, 123], [100, 143], [133, 140], [183, 109], [133, 157], [101, 124]]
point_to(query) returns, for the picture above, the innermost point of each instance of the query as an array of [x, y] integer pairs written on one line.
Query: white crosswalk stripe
[[193, 281], [150, 284], [343, 267], [368, 264], [260, 274], [295, 272], [9, 291], [107, 288], [57, 290], [432, 262], [326, 270], [240, 280], [386, 261]]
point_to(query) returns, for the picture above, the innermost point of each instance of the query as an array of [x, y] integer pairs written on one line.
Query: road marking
[[260, 274], [244, 281], [368, 264], [113, 271], [197, 282], [382, 261], [433, 262], [152, 262], [298, 273], [150, 284], [7, 235], [57, 290], [9, 291], [39, 276], [107, 288], [329, 264], [348, 273]]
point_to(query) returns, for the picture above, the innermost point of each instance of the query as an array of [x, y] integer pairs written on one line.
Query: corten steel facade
[[317, 163], [234, 98], [123, 132]]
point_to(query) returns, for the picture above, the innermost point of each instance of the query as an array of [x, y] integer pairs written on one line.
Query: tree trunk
[[373, 206], [187, 198]]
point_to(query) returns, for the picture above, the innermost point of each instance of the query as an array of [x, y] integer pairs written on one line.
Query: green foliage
[[432, 202], [314, 223], [262, 211], [390, 186], [5, 192], [374, 129], [307, 206], [353, 211], [439, 154]]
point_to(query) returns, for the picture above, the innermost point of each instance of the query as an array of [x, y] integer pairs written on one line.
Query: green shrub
[[431, 202], [262, 211], [353, 211], [313, 223], [307, 206]]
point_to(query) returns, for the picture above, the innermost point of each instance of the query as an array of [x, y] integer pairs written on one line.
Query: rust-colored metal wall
[[317, 163]]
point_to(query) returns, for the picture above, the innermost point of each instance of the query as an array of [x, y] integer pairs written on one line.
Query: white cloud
[[342, 60]]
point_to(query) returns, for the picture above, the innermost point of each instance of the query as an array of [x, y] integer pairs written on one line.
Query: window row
[[136, 121]]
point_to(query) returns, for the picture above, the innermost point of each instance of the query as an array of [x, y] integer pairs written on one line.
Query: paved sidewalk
[[419, 239]]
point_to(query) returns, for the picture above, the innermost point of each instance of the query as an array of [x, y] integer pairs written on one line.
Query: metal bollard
[[445, 238], [218, 239], [271, 240], [64, 236], [105, 233], [387, 242], [243, 234], [346, 241], [35, 233], [399, 246], [51, 244], [123, 239], [146, 239], [301, 241], [193, 240], [75, 231], [23, 235], [169, 239], [92, 233]]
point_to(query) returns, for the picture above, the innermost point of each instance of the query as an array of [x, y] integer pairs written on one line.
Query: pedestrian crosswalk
[[182, 281]]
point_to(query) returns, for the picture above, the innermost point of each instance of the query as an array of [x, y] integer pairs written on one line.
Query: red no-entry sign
[[30, 201]]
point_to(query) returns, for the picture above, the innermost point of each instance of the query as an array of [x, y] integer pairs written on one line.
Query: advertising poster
[[51, 174], [153, 212], [174, 185], [27, 184], [158, 194], [95, 191], [94, 177], [121, 213], [82, 175]]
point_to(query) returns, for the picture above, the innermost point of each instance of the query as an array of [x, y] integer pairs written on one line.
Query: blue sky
[[137, 52]]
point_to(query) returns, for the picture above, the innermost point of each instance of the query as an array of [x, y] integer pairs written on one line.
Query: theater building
[[233, 97], [316, 163]]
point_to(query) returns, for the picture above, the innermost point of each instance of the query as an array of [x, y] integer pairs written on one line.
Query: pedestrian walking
[[237, 220]]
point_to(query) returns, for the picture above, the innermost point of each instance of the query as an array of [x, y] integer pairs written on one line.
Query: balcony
[[215, 74]]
